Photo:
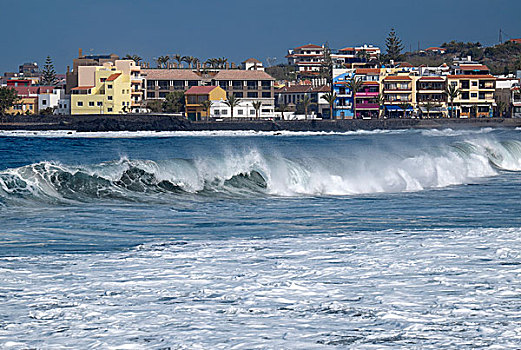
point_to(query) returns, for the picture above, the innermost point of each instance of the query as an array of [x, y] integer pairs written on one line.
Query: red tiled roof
[[480, 76], [295, 89], [517, 41], [323, 88], [309, 46], [474, 67], [347, 49], [236, 74], [200, 90], [369, 71], [435, 49], [113, 77], [394, 77], [432, 78], [370, 83], [252, 60], [82, 88], [25, 90], [169, 74]]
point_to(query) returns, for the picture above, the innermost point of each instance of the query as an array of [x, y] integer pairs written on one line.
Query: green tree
[[354, 84], [452, 92], [207, 104], [179, 59], [394, 46], [326, 69], [232, 102], [501, 108], [174, 102], [257, 106], [363, 55], [188, 60], [404, 106], [380, 99], [48, 73], [305, 102], [134, 58], [8, 98], [155, 106], [429, 106], [282, 108], [330, 98]]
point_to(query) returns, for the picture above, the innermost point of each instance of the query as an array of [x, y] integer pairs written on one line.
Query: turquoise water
[[260, 240]]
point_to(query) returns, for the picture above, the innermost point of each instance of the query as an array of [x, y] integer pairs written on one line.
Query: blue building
[[344, 101]]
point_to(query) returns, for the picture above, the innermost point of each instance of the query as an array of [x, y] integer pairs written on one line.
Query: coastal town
[[316, 82]]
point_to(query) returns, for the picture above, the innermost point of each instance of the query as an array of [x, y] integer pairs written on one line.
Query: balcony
[[367, 106], [486, 86], [251, 87]]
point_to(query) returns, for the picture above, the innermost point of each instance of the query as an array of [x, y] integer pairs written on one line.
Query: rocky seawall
[[97, 123]]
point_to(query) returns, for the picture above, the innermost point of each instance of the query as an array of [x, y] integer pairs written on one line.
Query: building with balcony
[[195, 98], [290, 96], [349, 57], [49, 97], [249, 86], [344, 100], [107, 89], [431, 98], [307, 58], [160, 82], [71, 77], [476, 98], [252, 64], [399, 92]]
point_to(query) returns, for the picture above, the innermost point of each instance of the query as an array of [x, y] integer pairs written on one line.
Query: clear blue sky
[[237, 29]]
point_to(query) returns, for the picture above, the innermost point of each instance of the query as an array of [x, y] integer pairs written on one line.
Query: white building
[[64, 105], [49, 97], [244, 110]]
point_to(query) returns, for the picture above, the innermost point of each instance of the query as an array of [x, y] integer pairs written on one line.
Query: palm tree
[[452, 92], [134, 58], [232, 102], [429, 106], [196, 62], [501, 107], [188, 60], [330, 98], [305, 102], [404, 106], [362, 55], [223, 61], [354, 84], [380, 99], [256, 105], [162, 61], [282, 108], [207, 105], [178, 58]]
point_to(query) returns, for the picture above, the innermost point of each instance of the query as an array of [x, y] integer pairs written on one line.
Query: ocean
[[260, 240]]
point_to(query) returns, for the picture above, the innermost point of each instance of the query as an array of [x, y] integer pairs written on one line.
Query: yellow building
[[195, 98], [107, 89], [24, 105], [476, 97]]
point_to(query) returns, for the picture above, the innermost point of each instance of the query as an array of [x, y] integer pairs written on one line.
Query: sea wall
[[128, 122]]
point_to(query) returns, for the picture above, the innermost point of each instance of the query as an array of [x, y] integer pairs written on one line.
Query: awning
[[433, 109], [398, 108]]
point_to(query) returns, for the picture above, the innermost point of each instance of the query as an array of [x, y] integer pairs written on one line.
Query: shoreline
[[100, 123]]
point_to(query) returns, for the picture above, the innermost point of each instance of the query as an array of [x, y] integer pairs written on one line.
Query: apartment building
[[351, 56], [399, 92], [107, 89], [366, 99], [431, 97], [71, 77], [27, 100], [49, 97], [306, 58], [249, 86], [344, 102], [476, 98], [161, 82]]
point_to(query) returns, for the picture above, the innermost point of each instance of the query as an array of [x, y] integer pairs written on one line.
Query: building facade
[[196, 97]]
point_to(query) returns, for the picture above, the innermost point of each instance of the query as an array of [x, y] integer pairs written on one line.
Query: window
[[80, 104], [474, 83], [240, 112], [163, 94], [225, 111], [109, 109], [266, 94], [103, 80], [100, 103], [109, 86], [109, 98], [238, 94], [123, 91], [253, 94], [464, 95], [217, 112], [123, 103], [252, 111], [151, 94], [474, 95], [91, 103], [61, 106], [44, 102]]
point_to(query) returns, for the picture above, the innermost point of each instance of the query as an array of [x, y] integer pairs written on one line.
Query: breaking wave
[[255, 174]]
